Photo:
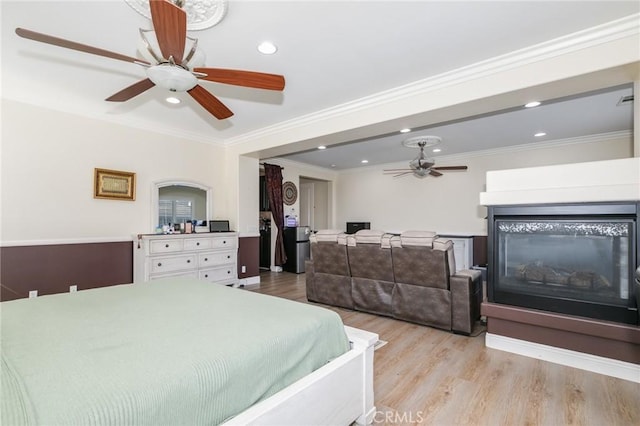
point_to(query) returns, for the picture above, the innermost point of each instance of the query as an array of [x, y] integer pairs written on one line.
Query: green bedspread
[[168, 352]]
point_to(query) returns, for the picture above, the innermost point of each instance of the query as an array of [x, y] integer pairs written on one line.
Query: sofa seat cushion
[[372, 296], [421, 266], [423, 305]]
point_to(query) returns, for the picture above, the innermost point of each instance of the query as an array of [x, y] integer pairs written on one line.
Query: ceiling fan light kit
[[172, 77], [172, 69]]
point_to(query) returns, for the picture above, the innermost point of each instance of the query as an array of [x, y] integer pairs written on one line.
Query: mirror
[[179, 201]]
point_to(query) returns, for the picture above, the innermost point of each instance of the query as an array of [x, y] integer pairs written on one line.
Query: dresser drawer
[[159, 265], [224, 242], [187, 274], [206, 260], [198, 244], [166, 246], [218, 274]]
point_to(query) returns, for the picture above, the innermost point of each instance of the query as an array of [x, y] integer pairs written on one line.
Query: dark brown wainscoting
[[586, 335], [53, 268], [249, 256]]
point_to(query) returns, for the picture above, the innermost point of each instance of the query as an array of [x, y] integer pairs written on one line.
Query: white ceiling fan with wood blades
[[171, 68], [422, 166]]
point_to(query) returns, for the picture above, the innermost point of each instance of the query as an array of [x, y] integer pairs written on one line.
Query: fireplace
[[577, 259]]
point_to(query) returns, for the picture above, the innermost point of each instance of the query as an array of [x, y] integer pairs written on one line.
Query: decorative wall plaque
[[289, 193]]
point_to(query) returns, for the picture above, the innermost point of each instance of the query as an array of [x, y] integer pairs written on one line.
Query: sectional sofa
[[409, 276]]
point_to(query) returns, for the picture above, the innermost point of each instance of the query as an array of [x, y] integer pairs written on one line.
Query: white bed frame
[[338, 393]]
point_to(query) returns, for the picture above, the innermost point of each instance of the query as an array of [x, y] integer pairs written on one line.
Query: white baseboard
[[597, 364], [249, 282]]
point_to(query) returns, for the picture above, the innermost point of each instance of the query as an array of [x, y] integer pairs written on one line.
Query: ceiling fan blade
[[397, 170], [131, 91], [258, 80], [450, 168], [402, 174], [170, 24], [44, 38], [434, 173], [210, 102]]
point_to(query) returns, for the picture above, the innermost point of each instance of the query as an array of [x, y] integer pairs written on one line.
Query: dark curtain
[[273, 178]]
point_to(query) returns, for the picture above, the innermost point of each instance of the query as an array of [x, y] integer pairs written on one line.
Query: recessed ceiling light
[[333, 165], [322, 147], [405, 130], [173, 100], [267, 48], [436, 150], [540, 134], [364, 161], [532, 104]]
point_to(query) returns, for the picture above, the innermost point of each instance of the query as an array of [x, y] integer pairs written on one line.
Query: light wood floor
[[432, 377]]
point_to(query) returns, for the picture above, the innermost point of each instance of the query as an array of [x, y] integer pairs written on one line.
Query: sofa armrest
[[309, 277], [466, 295]]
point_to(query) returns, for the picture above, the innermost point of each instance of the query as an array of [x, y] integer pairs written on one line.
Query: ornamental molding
[[201, 14]]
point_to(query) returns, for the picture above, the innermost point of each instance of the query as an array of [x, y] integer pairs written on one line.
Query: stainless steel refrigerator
[[296, 246]]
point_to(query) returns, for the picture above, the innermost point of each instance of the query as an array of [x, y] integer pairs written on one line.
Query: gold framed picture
[[114, 185]]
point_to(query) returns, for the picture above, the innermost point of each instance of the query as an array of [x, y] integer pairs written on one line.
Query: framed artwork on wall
[[114, 185]]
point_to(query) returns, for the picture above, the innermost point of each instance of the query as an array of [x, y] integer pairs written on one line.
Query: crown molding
[[601, 137], [628, 26]]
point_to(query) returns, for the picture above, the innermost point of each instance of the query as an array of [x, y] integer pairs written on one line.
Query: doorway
[[314, 203]]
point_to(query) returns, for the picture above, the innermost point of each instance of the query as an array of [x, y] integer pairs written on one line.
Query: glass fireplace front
[[578, 261]]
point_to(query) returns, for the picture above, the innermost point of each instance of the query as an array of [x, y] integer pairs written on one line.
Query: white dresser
[[207, 256]]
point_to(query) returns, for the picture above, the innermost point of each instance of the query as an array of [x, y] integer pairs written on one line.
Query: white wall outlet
[[244, 269], [33, 293], [73, 288]]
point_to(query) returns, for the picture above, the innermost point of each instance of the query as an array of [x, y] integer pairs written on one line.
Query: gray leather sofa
[[410, 277]]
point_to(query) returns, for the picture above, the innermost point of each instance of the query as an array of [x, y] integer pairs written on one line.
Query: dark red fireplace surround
[[602, 338]]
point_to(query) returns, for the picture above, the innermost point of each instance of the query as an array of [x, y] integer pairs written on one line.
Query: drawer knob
[[198, 244], [228, 272], [229, 256], [166, 245], [206, 275], [188, 260], [159, 264], [224, 242], [206, 259]]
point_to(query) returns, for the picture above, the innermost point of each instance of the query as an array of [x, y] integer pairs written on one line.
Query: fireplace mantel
[[610, 180]]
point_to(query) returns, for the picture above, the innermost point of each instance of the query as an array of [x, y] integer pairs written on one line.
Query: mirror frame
[[155, 196]]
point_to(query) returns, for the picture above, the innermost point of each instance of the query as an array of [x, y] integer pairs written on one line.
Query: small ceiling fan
[[172, 70], [422, 166]]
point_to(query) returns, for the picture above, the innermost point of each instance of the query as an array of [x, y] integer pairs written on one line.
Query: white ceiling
[[330, 52]]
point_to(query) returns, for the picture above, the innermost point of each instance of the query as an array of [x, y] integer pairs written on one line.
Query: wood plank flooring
[[432, 377]]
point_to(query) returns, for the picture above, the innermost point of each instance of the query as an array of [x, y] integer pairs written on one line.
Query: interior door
[[307, 205]]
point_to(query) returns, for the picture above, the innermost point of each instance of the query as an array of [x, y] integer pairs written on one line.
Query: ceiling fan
[[422, 166], [172, 70]]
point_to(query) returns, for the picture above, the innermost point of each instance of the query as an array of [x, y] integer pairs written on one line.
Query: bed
[[181, 351]]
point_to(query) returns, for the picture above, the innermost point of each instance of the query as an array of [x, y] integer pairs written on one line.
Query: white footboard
[[338, 393]]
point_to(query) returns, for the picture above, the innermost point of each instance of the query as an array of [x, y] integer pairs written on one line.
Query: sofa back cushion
[[330, 258], [370, 261], [421, 266]]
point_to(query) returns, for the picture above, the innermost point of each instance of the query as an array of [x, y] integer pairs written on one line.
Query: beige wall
[[450, 204], [48, 161]]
